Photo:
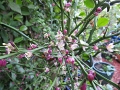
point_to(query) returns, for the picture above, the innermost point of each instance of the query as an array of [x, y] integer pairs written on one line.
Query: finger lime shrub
[[50, 41]]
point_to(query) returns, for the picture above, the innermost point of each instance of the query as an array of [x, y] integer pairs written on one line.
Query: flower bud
[[99, 9], [50, 51], [53, 4], [60, 60], [3, 63], [90, 77], [67, 52], [95, 47], [83, 87], [65, 32], [92, 72], [57, 88], [96, 13]]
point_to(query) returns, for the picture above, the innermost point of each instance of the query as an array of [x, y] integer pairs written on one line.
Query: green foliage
[[102, 22], [89, 3], [40, 23], [15, 7]]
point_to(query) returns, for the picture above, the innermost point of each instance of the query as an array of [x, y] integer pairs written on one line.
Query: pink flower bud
[[99, 9], [67, 52], [37, 74], [92, 72], [67, 4], [60, 60], [65, 32], [90, 77], [96, 13], [53, 4], [65, 21], [83, 87], [57, 88], [3, 63], [95, 47], [50, 51]]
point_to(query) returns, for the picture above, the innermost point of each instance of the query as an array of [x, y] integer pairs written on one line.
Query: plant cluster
[[44, 43]]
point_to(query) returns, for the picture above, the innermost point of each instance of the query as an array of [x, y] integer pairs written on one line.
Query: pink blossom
[[83, 87], [95, 47], [28, 54], [68, 4], [74, 46], [47, 69], [61, 45], [9, 47], [59, 35], [33, 46], [110, 47], [70, 60], [46, 35], [67, 9]]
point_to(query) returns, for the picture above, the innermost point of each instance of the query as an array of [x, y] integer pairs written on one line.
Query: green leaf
[[15, 7], [19, 2], [102, 22], [18, 17], [19, 39], [9, 66], [89, 3], [85, 56], [28, 23], [31, 6], [25, 11], [23, 28], [82, 13]]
